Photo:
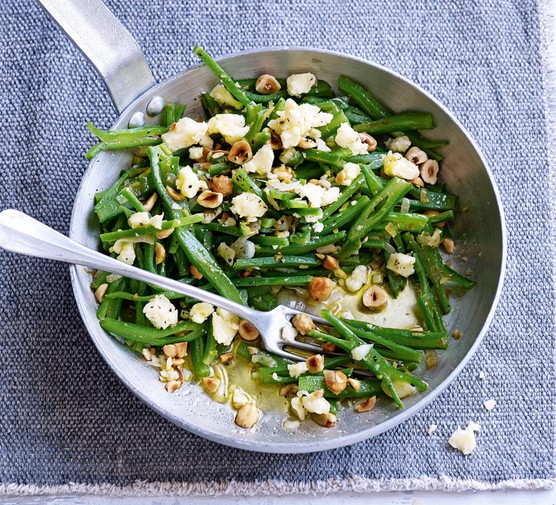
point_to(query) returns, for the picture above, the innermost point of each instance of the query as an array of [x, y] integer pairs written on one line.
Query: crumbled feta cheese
[[316, 403], [322, 146], [290, 424], [298, 408], [464, 440], [401, 263], [125, 250], [195, 153], [357, 279], [348, 174], [287, 155], [360, 352], [297, 122], [299, 84], [289, 332], [230, 126], [347, 137], [185, 133], [481, 375], [261, 163], [249, 206], [161, 312], [200, 312], [227, 253], [399, 144], [490, 404], [224, 97], [318, 227], [224, 326], [240, 397], [395, 165], [317, 195], [188, 183], [432, 429], [297, 369], [434, 240], [138, 219]]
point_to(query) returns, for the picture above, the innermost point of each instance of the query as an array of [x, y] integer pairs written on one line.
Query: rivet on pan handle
[[106, 44]]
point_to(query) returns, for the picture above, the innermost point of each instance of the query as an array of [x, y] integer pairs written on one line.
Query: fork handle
[[22, 234]]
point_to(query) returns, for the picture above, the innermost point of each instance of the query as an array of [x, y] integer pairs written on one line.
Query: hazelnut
[[100, 292], [330, 263], [149, 202], [267, 84], [288, 390], [324, 420], [240, 152], [416, 155], [159, 253], [194, 271], [375, 298], [320, 288], [447, 244], [329, 347], [248, 415], [303, 323], [369, 140], [221, 184], [247, 331], [210, 199], [366, 405], [211, 384], [315, 363], [429, 171], [354, 383], [174, 195], [335, 381]]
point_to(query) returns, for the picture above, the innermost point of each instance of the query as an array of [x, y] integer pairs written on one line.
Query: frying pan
[[479, 231]]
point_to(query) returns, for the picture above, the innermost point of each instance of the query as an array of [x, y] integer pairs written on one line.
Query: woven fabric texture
[[65, 417]]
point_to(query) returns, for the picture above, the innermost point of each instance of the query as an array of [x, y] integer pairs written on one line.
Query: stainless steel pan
[[479, 231]]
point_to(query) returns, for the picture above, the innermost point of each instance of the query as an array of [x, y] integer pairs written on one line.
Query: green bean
[[391, 194], [296, 280], [367, 388], [276, 261], [196, 350], [226, 80], [397, 122], [347, 193], [193, 249], [313, 244], [152, 336], [363, 98], [345, 216]]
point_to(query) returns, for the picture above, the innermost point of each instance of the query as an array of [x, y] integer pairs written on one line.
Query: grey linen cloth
[[68, 424]]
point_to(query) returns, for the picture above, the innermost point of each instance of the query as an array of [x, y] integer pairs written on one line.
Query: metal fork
[[22, 234]]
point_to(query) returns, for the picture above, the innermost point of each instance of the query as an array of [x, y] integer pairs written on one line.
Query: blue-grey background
[[64, 417]]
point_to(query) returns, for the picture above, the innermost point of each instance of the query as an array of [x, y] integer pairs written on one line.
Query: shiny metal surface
[[479, 233], [107, 45]]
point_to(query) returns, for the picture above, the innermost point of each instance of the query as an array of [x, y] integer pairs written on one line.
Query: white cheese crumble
[[240, 397], [316, 403], [401, 263], [360, 352], [226, 253], [318, 227], [464, 440], [185, 133], [289, 332], [230, 126], [347, 137], [317, 195], [200, 312], [299, 84], [262, 161], [161, 312], [224, 97], [224, 326], [399, 144], [357, 279], [290, 424], [490, 404], [432, 428], [188, 183], [139, 219], [249, 206], [195, 153], [434, 240], [125, 250], [297, 122], [298, 408], [348, 174], [297, 369], [481, 375], [395, 165]]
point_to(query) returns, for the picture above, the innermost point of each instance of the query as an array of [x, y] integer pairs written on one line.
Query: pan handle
[[107, 45]]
